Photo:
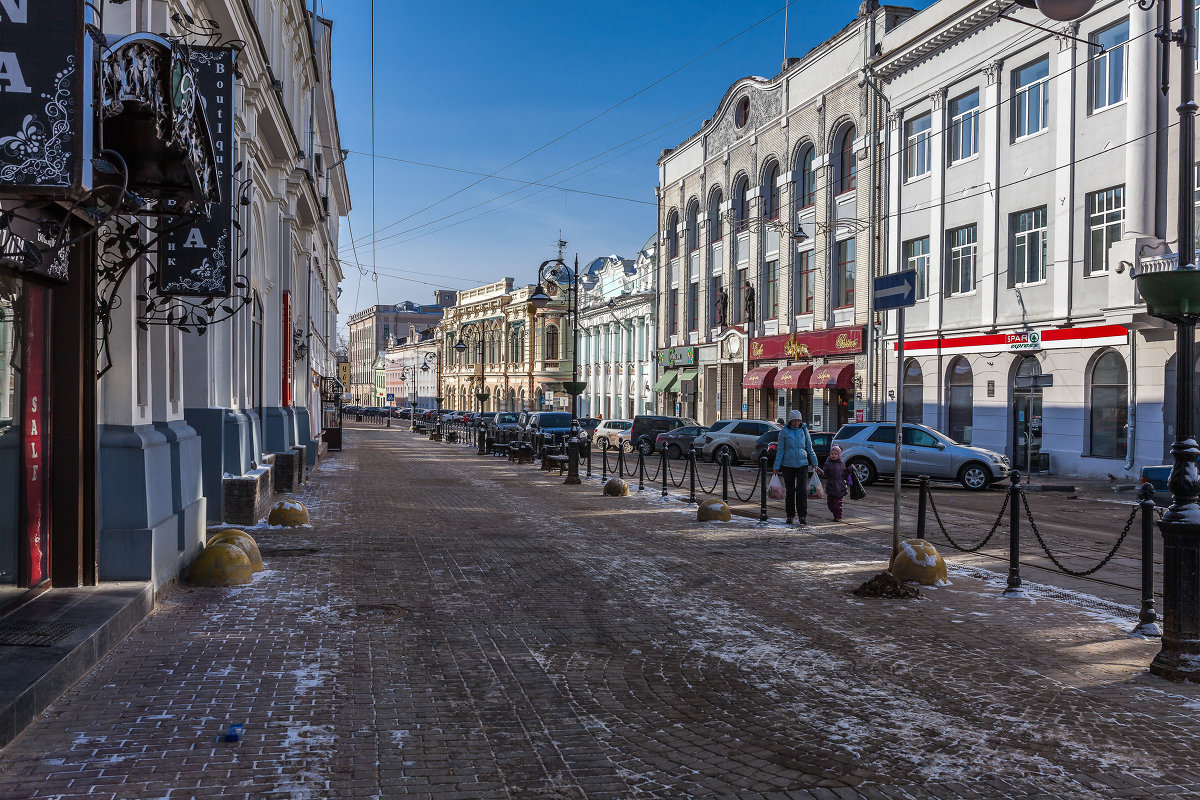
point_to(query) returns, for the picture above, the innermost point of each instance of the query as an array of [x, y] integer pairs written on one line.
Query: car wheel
[[975, 476], [723, 452], [864, 471], [645, 447], [673, 452], [627, 446]]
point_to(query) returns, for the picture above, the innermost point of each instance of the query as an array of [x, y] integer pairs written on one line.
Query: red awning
[[794, 377], [832, 376], [760, 378]]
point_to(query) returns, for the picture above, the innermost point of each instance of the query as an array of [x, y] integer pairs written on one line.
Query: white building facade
[[1025, 180], [616, 335]]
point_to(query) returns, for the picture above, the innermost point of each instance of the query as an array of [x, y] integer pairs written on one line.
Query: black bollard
[[1147, 618], [604, 461], [724, 478], [620, 462], [482, 443], [572, 462], [1014, 536], [663, 468], [762, 488], [922, 501], [589, 458], [641, 470], [692, 468]]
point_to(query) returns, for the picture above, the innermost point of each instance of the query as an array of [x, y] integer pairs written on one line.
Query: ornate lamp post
[[481, 395], [1174, 295], [556, 269]]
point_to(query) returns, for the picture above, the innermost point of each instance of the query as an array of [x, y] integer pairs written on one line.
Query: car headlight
[[997, 458]]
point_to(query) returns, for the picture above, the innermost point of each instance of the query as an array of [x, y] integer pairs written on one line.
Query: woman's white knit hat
[[795, 415]]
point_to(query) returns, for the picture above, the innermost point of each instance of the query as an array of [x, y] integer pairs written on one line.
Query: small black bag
[[857, 492]]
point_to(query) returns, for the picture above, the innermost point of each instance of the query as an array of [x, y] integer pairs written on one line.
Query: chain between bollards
[[1147, 617], [922, 500], [1014, 536], [762, 488]]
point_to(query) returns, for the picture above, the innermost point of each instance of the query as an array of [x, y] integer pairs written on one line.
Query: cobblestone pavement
[[457, 627]]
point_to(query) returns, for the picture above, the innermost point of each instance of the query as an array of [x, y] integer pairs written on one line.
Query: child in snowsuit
[[837, 481]]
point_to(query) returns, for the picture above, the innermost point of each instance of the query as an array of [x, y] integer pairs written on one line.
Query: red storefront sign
[[34, 555], [795, 346]]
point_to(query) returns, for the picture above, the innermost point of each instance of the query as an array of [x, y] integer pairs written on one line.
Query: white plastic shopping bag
[[775, 488], [815, 490]]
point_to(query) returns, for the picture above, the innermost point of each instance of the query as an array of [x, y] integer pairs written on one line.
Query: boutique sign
[[45, 145]]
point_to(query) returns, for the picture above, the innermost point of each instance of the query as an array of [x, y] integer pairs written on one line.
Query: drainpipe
[[1131, 411], [880, 181]]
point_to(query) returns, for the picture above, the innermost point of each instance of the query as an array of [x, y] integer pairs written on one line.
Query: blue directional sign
[[895, 290], [391, 397]]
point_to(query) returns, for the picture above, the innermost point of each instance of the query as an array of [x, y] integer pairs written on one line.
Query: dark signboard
[[44, 144], [196, 258], [676, 356]]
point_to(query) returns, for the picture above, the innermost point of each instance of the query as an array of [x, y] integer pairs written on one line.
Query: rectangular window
[[714, 294], [1028, 246], [916, 152], [1031, 98], [693, 306], [1108, 66], [772, 298], [673, 311], [1105, 219], [739, 295], [805, 282], [964, 126], [916, 258], [843, 283], [961, 248]]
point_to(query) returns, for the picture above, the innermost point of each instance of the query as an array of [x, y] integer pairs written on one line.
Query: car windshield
[[503, 418], [555, 420]]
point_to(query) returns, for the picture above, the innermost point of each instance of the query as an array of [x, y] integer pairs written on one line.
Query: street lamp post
[[409, 371], [481, 395], [556, 269], [1174, 295]]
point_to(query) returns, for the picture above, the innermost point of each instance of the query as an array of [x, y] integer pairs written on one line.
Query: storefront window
[[1109, 412], [960, 400], [914, 385]]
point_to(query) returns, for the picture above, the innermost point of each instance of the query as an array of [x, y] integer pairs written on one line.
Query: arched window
[[693, 225], [914, 387], [806, 182], [847, 162], [740, 212], [1110, 399], [771, 193], [960, 400], [673, 234], [551, 343], [716, 225]]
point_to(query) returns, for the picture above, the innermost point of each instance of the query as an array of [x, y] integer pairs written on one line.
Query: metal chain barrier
[[1059, 564], [657, 467], [750, 495], [682, 476], [986, 539], [716, 480]]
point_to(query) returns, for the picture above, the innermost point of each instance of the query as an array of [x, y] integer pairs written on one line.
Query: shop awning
[[688, 375], [794, 377], [833, 376], [667, 382], [760, 378]]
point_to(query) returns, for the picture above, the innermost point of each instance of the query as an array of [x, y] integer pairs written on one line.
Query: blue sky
[[476, 86]]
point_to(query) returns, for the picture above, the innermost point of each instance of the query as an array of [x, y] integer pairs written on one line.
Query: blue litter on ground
[[234, 734]]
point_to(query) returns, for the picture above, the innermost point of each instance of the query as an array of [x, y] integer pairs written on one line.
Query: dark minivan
[[647, 427]]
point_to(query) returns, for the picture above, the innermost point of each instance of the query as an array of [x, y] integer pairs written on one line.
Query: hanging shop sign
[[44, 85], [670, 357], [796, 346], [196, 257], [35, 240]]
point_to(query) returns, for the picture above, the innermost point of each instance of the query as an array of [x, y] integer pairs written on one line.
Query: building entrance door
[[1027, 415]]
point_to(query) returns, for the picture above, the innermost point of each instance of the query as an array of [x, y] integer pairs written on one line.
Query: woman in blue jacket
[[794, 455]]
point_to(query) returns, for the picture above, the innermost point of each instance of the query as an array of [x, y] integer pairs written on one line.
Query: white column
[[1141, 92], [937, 210], [1062, 233]]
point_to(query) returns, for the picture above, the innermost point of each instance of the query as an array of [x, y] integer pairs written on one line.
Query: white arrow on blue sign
[[895, 290]]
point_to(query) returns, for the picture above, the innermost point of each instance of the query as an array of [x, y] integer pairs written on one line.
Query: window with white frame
[[916, 258], [1028, 246], [1108, 66], [1105, 219], [964, 126], [1031, 98], [804, 284], [916, 149], [843, 276], [961, 249]]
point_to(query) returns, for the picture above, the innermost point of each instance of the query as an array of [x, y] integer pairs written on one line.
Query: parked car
[[503, 421], [646, 428], [587, 427], [680, 441], [822, 442], [869, 450], [733, 437], [555, 424], [609, 429]]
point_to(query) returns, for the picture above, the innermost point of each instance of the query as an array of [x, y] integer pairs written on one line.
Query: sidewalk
[[460, 627]]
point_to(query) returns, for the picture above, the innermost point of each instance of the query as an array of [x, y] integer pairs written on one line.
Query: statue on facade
[[722, 307], [748, 292]]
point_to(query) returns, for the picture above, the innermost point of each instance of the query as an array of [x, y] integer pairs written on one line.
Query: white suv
[[608, 430]]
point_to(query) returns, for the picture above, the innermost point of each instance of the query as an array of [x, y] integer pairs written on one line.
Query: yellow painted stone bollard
[[616, 488], [289, 514], [221, 564], [919, 561], [243, 540], [713, 511]]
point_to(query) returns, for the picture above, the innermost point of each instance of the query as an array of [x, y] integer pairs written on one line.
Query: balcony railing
[[1161, 263]]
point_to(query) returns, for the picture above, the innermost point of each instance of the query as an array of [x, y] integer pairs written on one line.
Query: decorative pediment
[[748, 105]]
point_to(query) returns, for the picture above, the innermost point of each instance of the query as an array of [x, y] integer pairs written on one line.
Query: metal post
[[573, 462], [724, 478], [692, 467], [1014, 536], [922, 500], [604, 461], [589, 459], [641, 470], [899, 464], [762, 488], [620, 462], [482, 442], [1147, 618], [663, 469]]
